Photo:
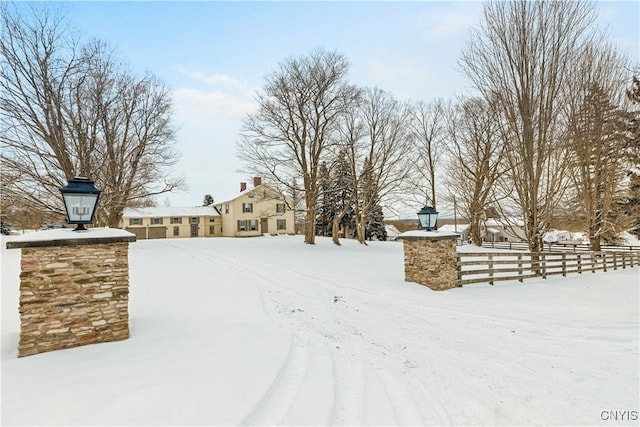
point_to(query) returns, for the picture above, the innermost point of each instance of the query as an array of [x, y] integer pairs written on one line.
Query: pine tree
[[324, 207], [341, 194], [597, 133], [633, 153], [208, 200], [375, 226]]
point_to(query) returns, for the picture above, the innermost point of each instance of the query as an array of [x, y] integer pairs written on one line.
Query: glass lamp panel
[[80, 207]]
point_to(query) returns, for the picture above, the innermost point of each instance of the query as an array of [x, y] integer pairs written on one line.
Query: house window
[[194, 220], [282, 224], [135, 221], [226, 208], [212, 229], [176, 220], [280, 208], [156, 221], [242, 225], [212, 219], [247, 207], [176, 231], [253, 224]]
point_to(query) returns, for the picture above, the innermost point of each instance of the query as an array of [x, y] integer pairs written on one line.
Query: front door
[[264, 225], [194, 230]]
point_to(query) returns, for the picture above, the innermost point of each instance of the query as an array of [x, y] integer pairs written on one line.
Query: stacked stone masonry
[[432, 263], [72, 296]]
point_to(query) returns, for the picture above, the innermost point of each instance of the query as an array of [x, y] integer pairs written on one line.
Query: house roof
[[391, 230], [453, 228], [163, 211], [247, 191], [494, 222]]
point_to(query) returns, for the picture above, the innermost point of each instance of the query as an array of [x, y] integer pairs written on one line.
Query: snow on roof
[[392, 230], [502, 222], [169, 211], [454, 228]]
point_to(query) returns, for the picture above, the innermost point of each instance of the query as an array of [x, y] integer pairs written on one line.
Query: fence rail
[[557, 247], [477, 267]]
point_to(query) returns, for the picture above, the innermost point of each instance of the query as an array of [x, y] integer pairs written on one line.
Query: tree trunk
[[474, 232], [309, 226], [360, 227], [335, 235]]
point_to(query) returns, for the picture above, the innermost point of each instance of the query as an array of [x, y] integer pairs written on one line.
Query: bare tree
[[475, 160], [298, 112], [522, 55], [428, 130], [384, 161], [70, 109]]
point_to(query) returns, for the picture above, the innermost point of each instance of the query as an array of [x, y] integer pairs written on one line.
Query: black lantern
[[80, 201], [428, 217]]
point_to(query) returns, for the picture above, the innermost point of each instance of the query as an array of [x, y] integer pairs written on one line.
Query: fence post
[[615, 261], [520, 268], [604, 261], [624, 260], [579, 263], [544, 265], [564, 264], [594, 262], [459, 262], [491, 269]]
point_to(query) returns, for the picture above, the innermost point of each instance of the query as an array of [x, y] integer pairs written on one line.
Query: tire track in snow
[[275, 403], [406, 410], [349, 392], [352, 374]]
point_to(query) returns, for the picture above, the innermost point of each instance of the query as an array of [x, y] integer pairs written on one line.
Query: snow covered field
[[268, 331]]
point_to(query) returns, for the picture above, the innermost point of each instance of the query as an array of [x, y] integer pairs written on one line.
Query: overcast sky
[[214, 56]]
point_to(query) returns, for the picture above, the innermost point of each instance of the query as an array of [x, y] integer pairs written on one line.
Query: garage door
[[140, 232], [157, 232]]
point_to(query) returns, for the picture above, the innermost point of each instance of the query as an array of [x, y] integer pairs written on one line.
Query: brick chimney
[[257, 181], [243, 186]]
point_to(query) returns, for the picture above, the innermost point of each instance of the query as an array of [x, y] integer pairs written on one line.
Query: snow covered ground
[[268, 331]]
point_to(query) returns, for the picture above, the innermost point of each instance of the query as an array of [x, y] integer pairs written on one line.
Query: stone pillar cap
[[69, 237], [428, 235]]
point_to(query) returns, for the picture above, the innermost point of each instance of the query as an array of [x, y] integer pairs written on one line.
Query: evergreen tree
[[597, 134], [633, 153], [208, 200], [324, 208], [369, 211], [375, 225], [341, 194]]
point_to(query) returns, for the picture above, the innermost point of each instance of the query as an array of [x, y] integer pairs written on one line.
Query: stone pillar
[[74, 288], [431, 259]]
